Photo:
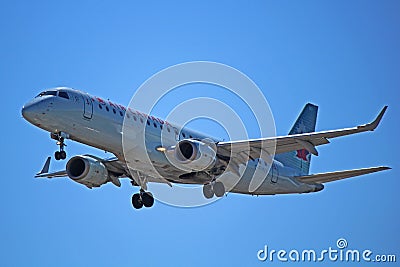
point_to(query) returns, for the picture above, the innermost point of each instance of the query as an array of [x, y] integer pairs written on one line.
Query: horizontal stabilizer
[[334, 176]]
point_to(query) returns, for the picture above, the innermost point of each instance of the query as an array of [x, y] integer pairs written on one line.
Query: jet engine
[[195, 155], [87, 170]]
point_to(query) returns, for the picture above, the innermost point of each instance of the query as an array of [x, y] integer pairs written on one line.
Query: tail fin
[[305, 123]]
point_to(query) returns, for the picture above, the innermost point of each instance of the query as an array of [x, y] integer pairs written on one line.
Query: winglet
[[45, 168], [372, 126]]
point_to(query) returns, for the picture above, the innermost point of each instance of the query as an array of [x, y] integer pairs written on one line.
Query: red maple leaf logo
[[302, 154]]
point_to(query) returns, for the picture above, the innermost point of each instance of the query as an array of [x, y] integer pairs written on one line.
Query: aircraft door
[[87, 107]]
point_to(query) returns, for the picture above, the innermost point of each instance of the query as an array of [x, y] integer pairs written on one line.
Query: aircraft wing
[[113, 165], [57, 174], [44, 173], [116, 169], [288, 143], [334, 176]]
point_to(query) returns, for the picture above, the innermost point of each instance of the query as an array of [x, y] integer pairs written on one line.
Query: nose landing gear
[[60, 155], [60, 137]]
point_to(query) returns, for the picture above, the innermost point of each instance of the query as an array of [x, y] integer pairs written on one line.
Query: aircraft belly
[[283, 185]]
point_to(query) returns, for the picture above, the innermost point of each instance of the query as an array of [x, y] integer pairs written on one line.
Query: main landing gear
[[212, 188], [141, 199], [61, 154]]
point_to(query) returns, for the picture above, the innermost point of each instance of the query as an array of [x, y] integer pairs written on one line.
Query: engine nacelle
[[195, 155], [87, 171]]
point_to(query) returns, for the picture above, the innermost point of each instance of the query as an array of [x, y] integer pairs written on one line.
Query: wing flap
[[338, 175]]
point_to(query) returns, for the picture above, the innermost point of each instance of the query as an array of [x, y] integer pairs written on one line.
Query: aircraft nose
[[29, 111]]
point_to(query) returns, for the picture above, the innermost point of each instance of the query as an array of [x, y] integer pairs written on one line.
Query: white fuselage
[[99, 123]]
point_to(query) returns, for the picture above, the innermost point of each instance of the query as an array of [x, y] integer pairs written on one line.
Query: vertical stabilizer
[[305, 123]]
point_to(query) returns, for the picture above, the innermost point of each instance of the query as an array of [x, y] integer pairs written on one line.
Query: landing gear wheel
[[63, 155], [137, 201], [57, 155], [147, 199], [208, 191], [219, 189]]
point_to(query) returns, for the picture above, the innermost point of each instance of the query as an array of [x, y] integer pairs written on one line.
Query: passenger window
[[168, 129], [148, 122], [107, 108], [134, 118], [190, 136], [141, 120], [114, 110], [161, 126], [128, 115], [184, 135], [100, 107], [120, 113], [63, 95], [155, 125]]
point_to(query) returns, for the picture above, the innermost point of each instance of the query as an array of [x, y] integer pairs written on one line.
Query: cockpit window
[[47, 93], [63, 94]]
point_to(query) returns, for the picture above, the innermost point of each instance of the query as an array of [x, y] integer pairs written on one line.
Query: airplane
[[198, 159]]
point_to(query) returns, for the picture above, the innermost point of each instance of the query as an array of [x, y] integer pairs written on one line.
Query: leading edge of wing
[[52, 174], [338, 175]]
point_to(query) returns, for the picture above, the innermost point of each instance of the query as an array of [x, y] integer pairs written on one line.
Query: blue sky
[[341, 55]]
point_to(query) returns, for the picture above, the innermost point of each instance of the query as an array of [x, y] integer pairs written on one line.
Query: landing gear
[[216, 188], [60, 137], [60, 155], [208, 191], [141, 199], [147, 199], [219, 189], [137, 201]]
